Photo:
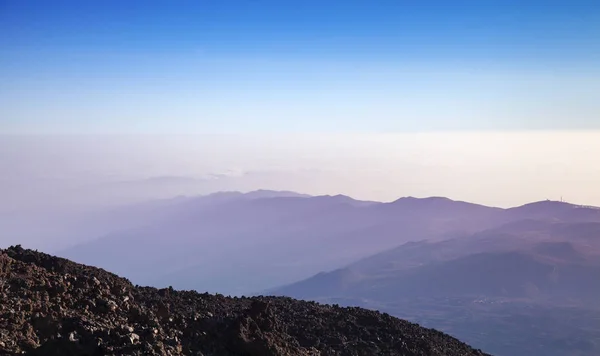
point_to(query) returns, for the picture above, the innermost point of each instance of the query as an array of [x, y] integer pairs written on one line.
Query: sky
[[496, 102], [298, 66]]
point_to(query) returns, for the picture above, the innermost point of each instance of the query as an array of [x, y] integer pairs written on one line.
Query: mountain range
[[236, 243], [473, 271]]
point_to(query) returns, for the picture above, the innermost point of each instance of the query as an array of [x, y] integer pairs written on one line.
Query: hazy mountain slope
[[245, 245], [496, 258], [521, 235], [51, 306], [59, 227], [506, 275], [219, 234], [508, 281]]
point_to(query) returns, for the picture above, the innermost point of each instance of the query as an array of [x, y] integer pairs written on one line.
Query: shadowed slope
[[52, 306]]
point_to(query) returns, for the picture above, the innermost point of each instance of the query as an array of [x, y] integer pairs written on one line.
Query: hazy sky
[[502, 168], [489, 101]]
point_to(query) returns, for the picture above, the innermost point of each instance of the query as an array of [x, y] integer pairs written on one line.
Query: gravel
[[52, 306]]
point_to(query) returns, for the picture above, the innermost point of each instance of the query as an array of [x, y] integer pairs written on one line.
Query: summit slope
[[52, 306]]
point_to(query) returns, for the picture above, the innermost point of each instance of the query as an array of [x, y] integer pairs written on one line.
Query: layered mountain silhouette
[[238, 243], [51, 306]]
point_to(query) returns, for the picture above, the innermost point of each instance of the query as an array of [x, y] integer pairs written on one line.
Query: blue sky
[[298, 66]]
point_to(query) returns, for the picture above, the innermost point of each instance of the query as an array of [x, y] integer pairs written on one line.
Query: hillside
[[497, 289], [244, 243], [238, 244], [556, 259], [52, 306]]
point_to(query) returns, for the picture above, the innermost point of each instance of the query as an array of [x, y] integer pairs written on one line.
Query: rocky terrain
[[52, 306]]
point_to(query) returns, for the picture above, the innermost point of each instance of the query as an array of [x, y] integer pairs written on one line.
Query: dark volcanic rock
[[51, 306]]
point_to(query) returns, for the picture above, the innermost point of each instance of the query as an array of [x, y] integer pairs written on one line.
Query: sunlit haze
[[499, 169]]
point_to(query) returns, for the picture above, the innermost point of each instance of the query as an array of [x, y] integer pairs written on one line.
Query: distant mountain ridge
[[261, 239]]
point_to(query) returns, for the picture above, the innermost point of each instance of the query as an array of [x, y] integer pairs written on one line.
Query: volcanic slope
[[52, 306]]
